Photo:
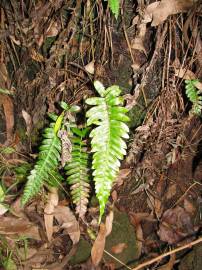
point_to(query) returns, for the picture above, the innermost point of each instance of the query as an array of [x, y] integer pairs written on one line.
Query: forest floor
[[53, 51]]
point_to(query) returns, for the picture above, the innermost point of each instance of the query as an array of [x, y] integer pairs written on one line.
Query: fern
[[194, 96], [107, 141], [45, 169], [78, 172], [114, 6]]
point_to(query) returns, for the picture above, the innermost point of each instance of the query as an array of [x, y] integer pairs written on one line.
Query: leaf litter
[[160, 181]]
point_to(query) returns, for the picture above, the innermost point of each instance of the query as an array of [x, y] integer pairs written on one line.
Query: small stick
[[167, 254]]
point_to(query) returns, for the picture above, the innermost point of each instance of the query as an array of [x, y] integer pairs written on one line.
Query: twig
[[167, 254], [116, 259]]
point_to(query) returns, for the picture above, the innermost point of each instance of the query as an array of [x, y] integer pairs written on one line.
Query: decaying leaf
[[169, 265], [175, 225], [165, 8], [90, 67], [28, 121], [189, 207], [18, 227], [109, 222], [119, 248], [136, 219], [67, 221], [52, 202], [98, 246], [7, 103], [171, 191], [122, 175]]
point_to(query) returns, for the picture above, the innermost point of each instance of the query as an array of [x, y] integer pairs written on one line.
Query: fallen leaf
[[28, 121], [117, 249], [165, 8], [7, 103], [138, 42], [3, 209], [171, 191], [122, 175], [189, 207], [136, 221], [170, 264], [184, 73], [109, 222], [98, 246], [52, 202], [67, 220], [175, 225], [90, 67], [18, 227]]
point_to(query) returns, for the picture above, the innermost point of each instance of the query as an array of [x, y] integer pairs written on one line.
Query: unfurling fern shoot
[[77, 171], [107, 142], [46, 168]]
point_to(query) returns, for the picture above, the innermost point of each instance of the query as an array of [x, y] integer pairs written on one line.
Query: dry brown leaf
[[189, 207], [28, 121], [109, 222], [169, 265], [122, 175], [3, 209], [52, 202], [138, 42], [7, 103], [99, 245], [67, 220], [175, 225], [165, 8], [184, 73], [90, 67], [16, 227], [136, 221], [171, 191], [117, 249]]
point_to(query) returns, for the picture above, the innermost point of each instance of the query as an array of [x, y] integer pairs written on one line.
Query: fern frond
[[107, 142], [114, 6], [78, 172], [45, 169], [194, 96]]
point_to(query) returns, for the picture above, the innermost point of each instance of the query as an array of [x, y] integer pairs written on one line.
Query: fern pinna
[[46, 167], [194, 96], [107, 141], [77, 171]]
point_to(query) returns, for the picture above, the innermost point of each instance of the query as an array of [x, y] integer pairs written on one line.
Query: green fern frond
[[114, 6], [194, 96], [45, 169], [107, 142], [78, 172]]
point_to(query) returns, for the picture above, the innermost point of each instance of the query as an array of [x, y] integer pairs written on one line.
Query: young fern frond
[[194, 96], [107, 142], [46, 167], [77, 171], [114, 6]]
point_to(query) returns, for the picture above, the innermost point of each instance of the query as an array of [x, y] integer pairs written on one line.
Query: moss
[[83, 252], [122, 232]]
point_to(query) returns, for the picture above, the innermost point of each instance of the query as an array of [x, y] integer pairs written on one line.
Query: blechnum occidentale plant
[[65, 145], [194, 95]]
